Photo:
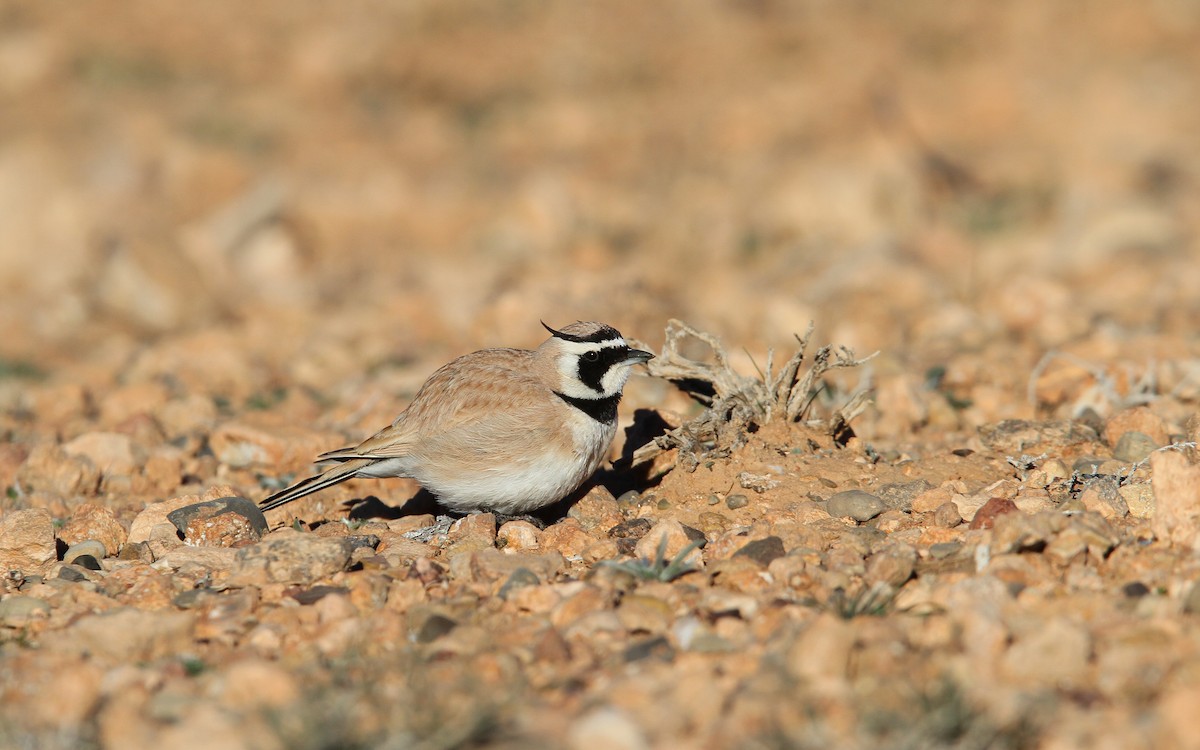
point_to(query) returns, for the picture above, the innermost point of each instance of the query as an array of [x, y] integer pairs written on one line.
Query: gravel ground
[[237, 236]]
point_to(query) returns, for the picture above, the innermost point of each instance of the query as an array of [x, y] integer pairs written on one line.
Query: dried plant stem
[[735, 401]]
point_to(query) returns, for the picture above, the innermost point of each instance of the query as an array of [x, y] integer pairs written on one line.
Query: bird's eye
[[592, 356]]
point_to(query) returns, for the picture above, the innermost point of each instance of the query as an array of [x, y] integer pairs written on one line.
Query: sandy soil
[[236, 236]]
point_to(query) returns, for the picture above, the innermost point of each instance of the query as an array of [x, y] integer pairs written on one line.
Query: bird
[[502, 430]]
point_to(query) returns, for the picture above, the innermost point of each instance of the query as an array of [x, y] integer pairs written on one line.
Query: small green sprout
[[659, 569]]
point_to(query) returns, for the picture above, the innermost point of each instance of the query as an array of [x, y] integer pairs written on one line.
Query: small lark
[[505, 430]]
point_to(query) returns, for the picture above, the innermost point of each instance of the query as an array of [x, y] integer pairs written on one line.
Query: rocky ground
[[237, 236]]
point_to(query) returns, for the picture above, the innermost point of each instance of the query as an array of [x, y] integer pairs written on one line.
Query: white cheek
[[614, 380]]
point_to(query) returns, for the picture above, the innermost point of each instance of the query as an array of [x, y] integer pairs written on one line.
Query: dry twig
[[736, 401]]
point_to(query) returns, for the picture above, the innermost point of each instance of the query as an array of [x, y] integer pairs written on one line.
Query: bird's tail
[[330, 477]]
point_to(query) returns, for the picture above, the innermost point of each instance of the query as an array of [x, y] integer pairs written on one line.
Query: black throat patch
[[603, 410], [592, 372]]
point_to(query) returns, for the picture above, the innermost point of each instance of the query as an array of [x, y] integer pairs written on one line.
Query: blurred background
[[238, 195]]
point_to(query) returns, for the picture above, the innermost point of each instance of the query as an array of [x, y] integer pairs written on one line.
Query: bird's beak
[[637, 357]]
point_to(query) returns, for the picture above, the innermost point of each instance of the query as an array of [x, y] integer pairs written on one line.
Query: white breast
[[526, 484]]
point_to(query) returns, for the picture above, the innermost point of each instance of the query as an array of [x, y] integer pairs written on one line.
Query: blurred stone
[[1016, 436], [1137, 420], [93, 521], [163, 472], [932, 499], [985, 517], [1139, 498], [1061, 536], [491, 565], [224, 522], [567, 538], [1055, 655], [240, 445], [16, 610], [586, 600], [110, 452], [474, 531], [518, 536], [50, 468], [214, 559], [893, 565], [187, 415], [26, 540], [126, 635], [857, 504], [719, 602], [645, 614], [900, 496], [127, 401], [1176, 483], [256, 683], [736, 501], [1102, 496], [156, 513], [1134, 447], [1033, 500], [947, 515], [86, 548], [597, 511], [288, 556], [634, 528], [763, 551], [821, 654], [605, 728], [676, 539]]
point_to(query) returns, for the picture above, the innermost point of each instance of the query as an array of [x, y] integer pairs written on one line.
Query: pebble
[[1054, 654], [155, 514], [629, 500], [49, 468], [606, 728], [944, 549], [1139, 498], [1133, 447], [518, 536], [892, 565], [1176, 482], [985, 517], [735, 501], [1191, 601], [634, 528], [597, 511], [567, 537], [857, 504], [86, 548], [16, 610], [474, 531], [947, 516], [26, 540], [1138, 420], [88, 562], [223, 522], [900, 496], [289, 556], [520, 578], [676, 539], [95, 522], [763, 551], [111, 452]]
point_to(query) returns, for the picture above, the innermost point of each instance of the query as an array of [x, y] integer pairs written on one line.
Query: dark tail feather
[[336, 475]]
